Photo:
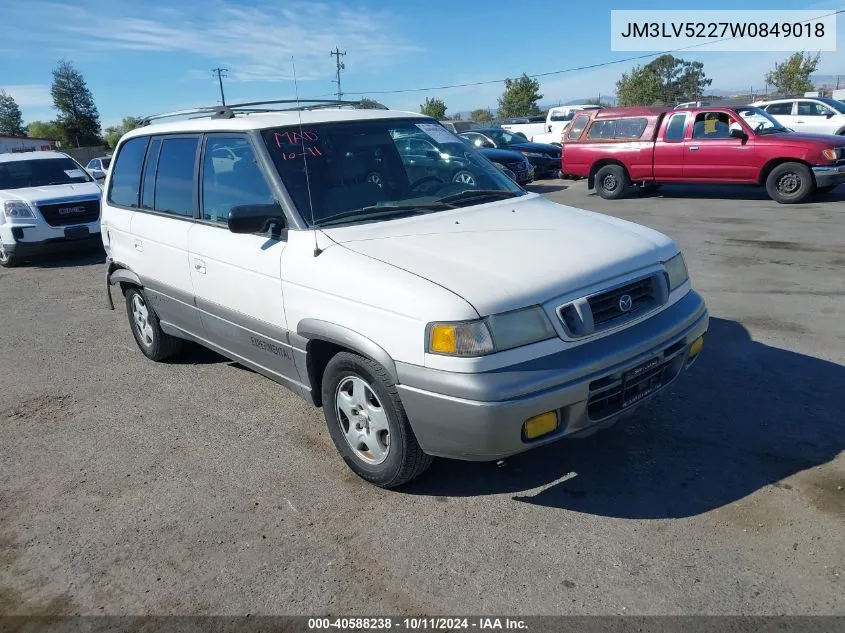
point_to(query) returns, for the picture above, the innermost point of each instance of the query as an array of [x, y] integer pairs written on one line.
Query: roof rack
[[249, 107]]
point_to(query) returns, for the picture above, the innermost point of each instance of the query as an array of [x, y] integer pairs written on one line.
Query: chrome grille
[[614, 307]]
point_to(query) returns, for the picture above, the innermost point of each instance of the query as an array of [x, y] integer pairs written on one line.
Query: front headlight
[[496, 333], [532, 154], [15, 209], [676, 270]]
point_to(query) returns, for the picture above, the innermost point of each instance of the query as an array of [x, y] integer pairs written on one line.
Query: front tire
[[368, 424], [790, 183], [151, 339], [611, 182], [7, 259]]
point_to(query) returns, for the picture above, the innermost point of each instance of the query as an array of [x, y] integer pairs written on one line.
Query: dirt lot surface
[[129, 487]]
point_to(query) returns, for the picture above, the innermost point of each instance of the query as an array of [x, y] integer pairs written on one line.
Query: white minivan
[[427, 316]]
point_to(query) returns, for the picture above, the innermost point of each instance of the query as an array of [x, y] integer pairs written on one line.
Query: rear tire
[[368, 424], [151, 339], [611, 182], [790, 183]]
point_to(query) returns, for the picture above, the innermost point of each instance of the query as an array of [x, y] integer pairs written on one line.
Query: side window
[[149, 184], [630, 128], [811, 108], [711, 126], [676, 127], [231, 177], [577, 127], [602, 129], [780, 108], [126, 175], [174, 183]]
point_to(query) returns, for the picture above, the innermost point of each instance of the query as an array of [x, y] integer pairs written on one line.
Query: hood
[[80, 190], [828, 140], [543, 148], [501, 154], [510, 254]]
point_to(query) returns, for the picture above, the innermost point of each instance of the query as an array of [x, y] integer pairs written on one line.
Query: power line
[[219, 72], [340, 66], [570, 70]]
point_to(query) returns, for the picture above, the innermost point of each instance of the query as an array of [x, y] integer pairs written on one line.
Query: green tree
[[78, 116], [663, 81], [434, 108], [113, 133], [44, 129], [481, 116], [520, 97], [11, 120], [792, 76]]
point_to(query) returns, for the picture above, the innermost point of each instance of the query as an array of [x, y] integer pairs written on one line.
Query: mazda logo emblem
[[625, 303]]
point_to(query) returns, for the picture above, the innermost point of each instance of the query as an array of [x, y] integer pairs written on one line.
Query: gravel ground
[[197, 487]]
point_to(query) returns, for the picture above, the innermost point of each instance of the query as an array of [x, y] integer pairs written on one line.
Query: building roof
[[26, 138], [11, 157], [243, 122]]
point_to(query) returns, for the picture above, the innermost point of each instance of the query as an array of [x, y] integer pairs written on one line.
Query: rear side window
[[174, 184], [619, 128], [126, 175], [676, 127], [780, 108], [578, 126]]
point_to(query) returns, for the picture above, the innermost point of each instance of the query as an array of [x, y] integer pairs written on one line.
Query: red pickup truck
[[619, 147]]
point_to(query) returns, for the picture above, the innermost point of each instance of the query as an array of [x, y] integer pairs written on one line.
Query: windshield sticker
[[294, 144], [74, 173], [438, 132]]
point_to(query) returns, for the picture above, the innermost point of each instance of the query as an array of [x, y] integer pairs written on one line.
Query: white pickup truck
[[557, 121]]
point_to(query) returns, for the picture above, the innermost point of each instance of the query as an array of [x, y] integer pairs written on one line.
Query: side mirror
[[255, 218], [829, 115], [735, 133]]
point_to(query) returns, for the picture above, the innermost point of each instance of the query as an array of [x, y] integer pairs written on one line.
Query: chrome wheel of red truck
[[790, 183]]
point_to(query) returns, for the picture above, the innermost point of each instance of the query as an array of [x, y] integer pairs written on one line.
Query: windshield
[[363, 170], [562, 116], [760, 120], [503, 137], [833, 103], [41, 172]]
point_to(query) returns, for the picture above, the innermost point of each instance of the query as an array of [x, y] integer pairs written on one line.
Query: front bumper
[[524, 177], [480, 416], [544, 166], [829, 176], [18, 241]]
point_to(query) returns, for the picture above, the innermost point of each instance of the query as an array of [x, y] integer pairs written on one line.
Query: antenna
[[219, 72], [340, 66], [317, 250]]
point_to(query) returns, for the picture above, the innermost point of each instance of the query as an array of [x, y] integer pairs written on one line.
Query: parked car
[[735, 145], [427, 317], [98, 167], [815, 115], [545, 158], [527, 126], [460, 126], [48, 202], [558, 121], [514, 164]]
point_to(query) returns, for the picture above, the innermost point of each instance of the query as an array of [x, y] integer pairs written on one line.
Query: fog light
[[539, 425], [696, 346]]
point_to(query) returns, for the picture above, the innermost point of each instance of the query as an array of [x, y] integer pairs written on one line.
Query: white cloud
[[30, 95], [255, 42]]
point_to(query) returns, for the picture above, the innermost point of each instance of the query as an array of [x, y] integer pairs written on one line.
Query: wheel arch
[[323, 340], [604, 162], [118, 273], [768, 167]]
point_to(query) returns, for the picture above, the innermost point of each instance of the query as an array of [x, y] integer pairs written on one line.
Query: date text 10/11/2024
[[417, 624]]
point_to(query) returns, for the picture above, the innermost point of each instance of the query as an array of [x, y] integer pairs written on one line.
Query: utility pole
[[219, 72], [340, 66]]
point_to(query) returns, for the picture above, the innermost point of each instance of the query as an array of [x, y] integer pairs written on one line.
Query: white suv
[[48, 202], [428, 316], [811, 115]]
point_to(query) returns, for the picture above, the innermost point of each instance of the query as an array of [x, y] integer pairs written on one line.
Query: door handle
[[139, 246], [199, 266], [693, 148], [800, 121]]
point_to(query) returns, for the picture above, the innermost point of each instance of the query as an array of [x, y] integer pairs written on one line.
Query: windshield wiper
[[772, 130], [471, 194], [382, 212]]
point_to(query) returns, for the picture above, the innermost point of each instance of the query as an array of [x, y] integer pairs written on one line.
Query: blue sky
[[141, 58]]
